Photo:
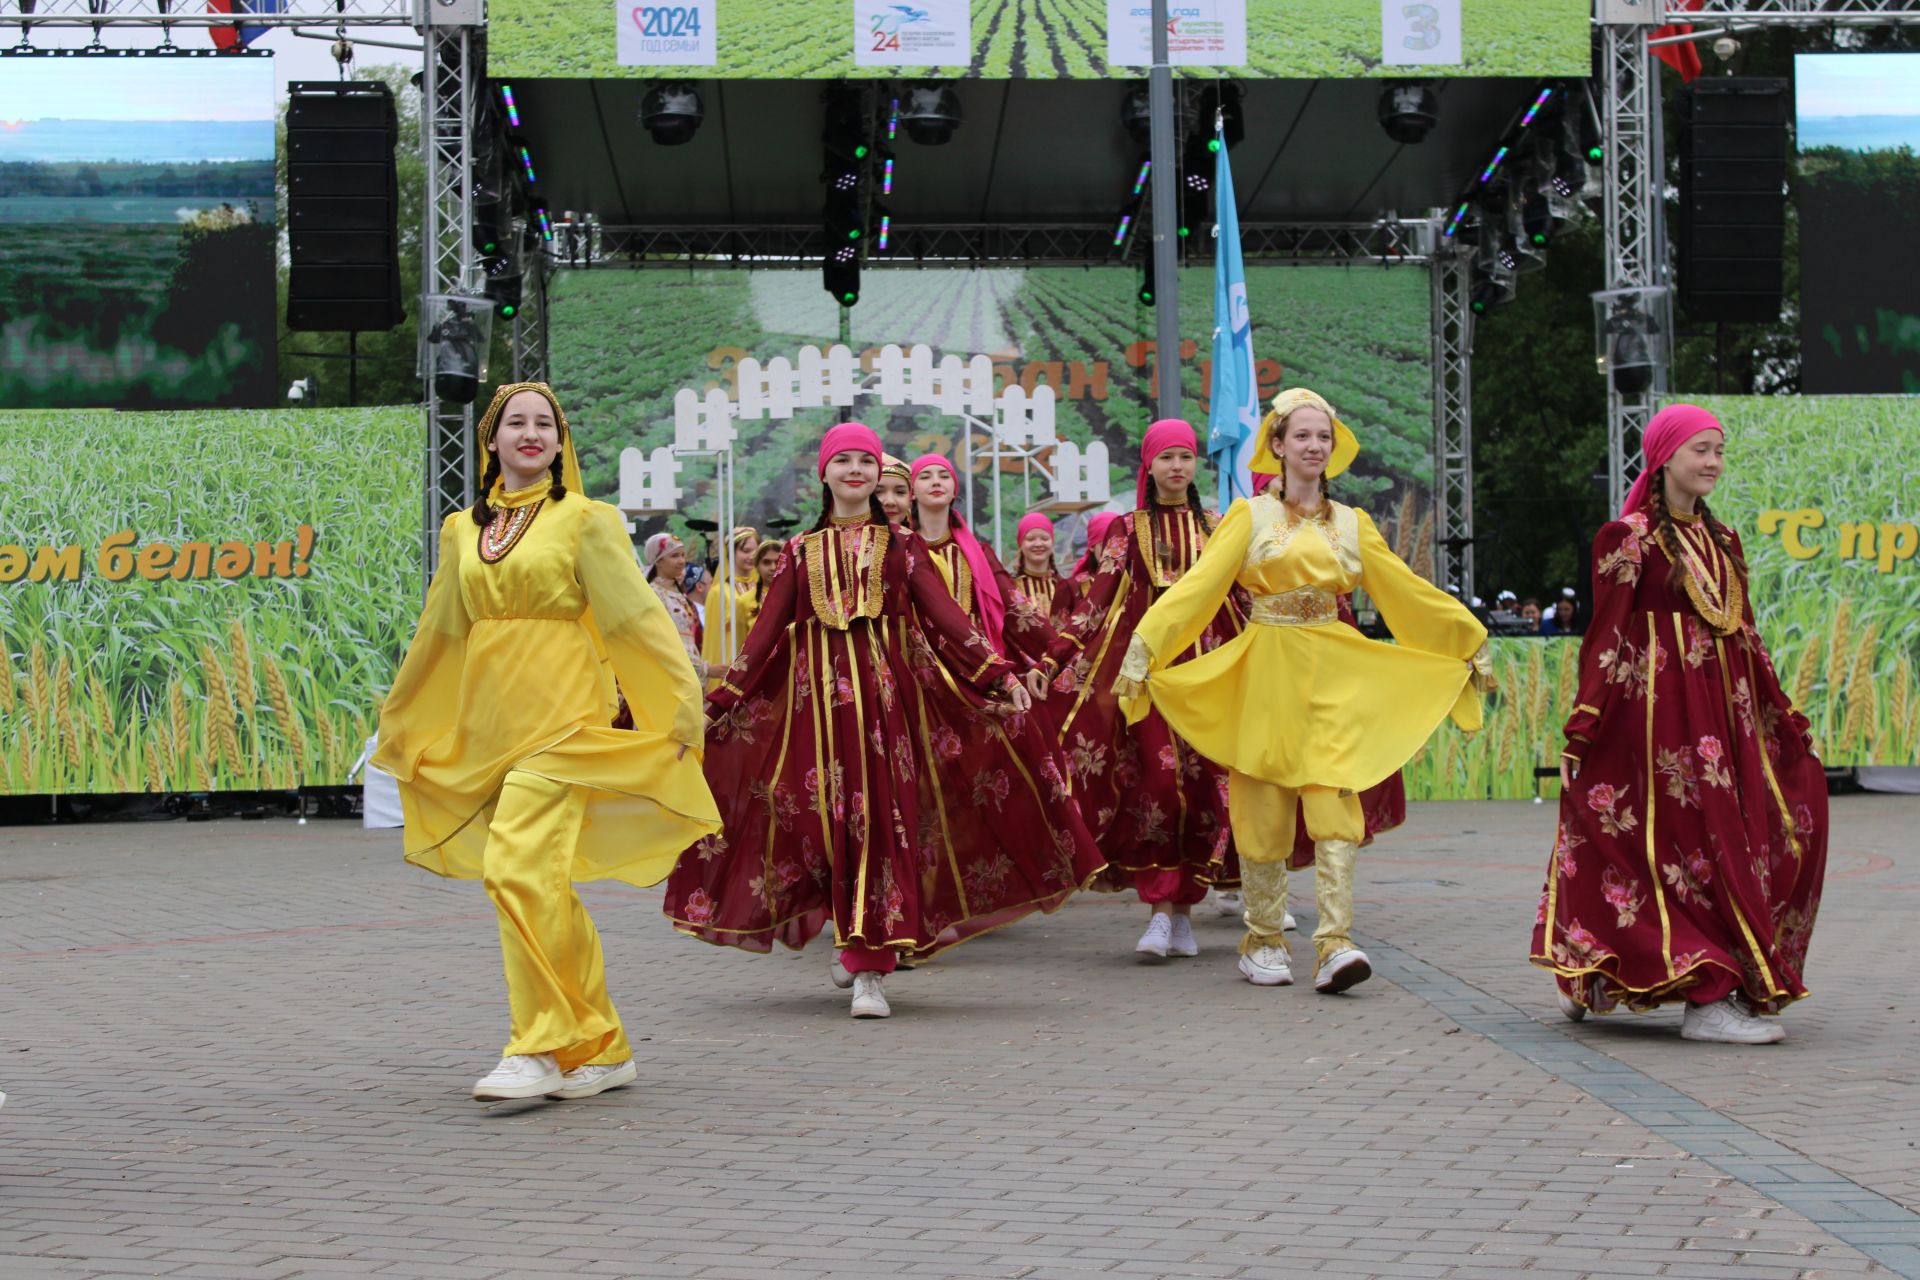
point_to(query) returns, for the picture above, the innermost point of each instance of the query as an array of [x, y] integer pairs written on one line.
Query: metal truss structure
[[1634, 216], [1633, 224], [527, 339], [171, 13], [970, 244], [450, 87], [1453, 422]]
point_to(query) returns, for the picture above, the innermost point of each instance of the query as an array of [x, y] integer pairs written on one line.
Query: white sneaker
[[1158, 937], [869, 1001], [1183, 943], [1347, 967], [837, 972], [584, 1082], [1725, 1022], [1286, 923], [520, 1075], [1228, 902], [1267, 967], [1570, 1008]]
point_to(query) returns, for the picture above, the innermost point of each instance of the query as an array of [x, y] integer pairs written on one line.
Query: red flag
[[1684, 58]]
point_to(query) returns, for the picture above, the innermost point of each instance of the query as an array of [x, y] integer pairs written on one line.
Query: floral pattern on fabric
[[1692, 843]]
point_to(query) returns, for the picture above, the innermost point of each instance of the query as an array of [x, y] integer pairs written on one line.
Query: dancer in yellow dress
[[498, 728], [724, 636], [1303, 710]]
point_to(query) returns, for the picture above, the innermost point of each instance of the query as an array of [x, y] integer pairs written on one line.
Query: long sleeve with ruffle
[[644, 647], [1183, 612], [1617, 554], [778, 611], [958, 641]]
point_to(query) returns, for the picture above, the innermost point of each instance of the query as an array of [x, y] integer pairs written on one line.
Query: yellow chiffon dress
[[719, 654], [1300, 698], [513, 668], [1303, 711]]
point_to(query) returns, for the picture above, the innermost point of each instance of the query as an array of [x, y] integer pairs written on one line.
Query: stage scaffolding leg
[[449, 85], [1166, 221], [1452, 423], [1634, 223], [529, 332]]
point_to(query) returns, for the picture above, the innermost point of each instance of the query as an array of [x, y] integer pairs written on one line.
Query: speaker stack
[[1733, 204], [344, 206]]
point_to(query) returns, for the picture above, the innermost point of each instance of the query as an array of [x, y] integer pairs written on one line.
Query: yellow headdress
[[1346, 446], [741, 532], [892, 466], [569, 460]]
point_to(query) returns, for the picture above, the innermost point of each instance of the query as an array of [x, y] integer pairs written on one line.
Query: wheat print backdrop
[[204, 683]]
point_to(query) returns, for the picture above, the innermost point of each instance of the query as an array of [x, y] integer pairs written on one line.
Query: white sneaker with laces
[[869, 1001], [1182, 942], [1570, 1008], [1158, 937], [1345, 968], [1228, 902], [584, 1082], [520, 1075], [837, 972], [1725, 1022], [1286, 923], [1267, 967]]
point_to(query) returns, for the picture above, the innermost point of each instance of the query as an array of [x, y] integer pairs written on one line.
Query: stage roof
[[1029, 151]]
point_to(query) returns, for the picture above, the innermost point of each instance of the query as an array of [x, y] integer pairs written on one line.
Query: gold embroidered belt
[[1301, 607]]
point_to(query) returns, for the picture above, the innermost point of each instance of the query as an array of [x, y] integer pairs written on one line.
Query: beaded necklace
[[506, 530]]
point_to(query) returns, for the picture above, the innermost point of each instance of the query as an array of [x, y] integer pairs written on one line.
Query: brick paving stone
[[244, 1049]]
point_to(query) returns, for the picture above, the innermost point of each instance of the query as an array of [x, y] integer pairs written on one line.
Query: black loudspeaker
[[1733, 203], [343, 207]]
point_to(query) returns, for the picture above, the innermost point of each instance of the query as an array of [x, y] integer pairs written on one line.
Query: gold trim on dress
[[1300, 607], [1653, 791]]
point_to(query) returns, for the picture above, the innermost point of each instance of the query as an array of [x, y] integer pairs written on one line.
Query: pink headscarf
[[1097, 528], [1672, 427], [993, 608], [1028, 523], [848, 435], [1168, 433]]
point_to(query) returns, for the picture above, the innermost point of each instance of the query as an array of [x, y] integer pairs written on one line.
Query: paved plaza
[[244, 1048]]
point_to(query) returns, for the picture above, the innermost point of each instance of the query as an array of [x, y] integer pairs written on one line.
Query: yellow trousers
[[556, 976], [1263, 831]]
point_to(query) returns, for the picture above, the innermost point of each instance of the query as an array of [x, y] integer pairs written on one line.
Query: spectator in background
[[1530, 612], [1560, 621]]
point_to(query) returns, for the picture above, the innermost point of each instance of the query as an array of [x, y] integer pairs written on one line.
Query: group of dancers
[[913, 746]]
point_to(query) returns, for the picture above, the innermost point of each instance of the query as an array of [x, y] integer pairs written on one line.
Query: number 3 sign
[[1420, 33], [677, 33]]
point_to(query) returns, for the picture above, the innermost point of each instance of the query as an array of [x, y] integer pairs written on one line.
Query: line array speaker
[[343, 207], [1733, 203]]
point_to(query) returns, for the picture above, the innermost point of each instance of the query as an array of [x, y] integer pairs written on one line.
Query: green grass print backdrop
[[205, 683], [1054, 39], [623, 342]]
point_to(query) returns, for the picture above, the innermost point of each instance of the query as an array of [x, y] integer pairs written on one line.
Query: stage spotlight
[[931, 112], [671, 112], [1136, 113], [1408, 112], [1630, 353]]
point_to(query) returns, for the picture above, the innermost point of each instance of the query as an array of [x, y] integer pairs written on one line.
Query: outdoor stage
[[243, 1049]]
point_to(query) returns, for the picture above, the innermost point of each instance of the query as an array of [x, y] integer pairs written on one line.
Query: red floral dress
[[1153, 802], [859, 773], [1041, 590], [1692, 844], [1026, 630]]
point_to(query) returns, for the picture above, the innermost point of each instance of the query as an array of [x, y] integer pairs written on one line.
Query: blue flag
[[1233, 413]]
